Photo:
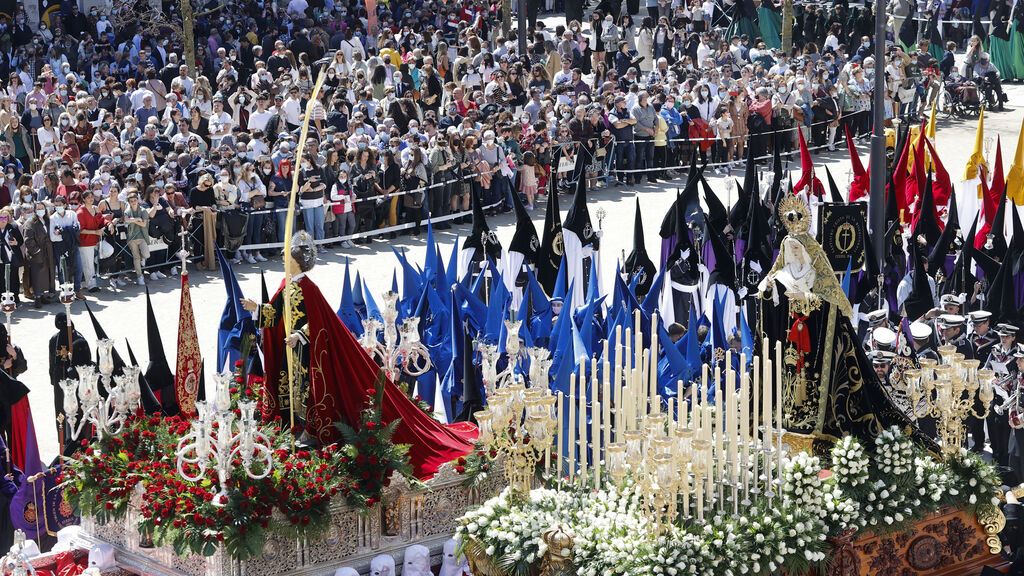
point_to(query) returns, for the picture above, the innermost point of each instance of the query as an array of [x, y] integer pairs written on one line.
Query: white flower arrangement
[[614, 535], [894, 453], [850, 462]]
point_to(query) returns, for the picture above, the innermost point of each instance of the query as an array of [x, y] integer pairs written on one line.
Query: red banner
[[371, 17], [189, 369]]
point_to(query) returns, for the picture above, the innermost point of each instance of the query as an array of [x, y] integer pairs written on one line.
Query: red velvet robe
[[340, 376]]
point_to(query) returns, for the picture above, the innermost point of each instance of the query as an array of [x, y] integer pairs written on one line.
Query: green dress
[[770, 23], [1001, 52]]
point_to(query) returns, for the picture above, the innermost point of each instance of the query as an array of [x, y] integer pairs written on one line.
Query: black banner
[[842, 231], [48, 8]]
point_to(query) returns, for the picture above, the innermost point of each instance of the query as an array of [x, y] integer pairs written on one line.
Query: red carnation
[[460, 469], [371, 425]]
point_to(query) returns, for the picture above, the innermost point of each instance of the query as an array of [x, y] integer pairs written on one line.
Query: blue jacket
[[674, 121]]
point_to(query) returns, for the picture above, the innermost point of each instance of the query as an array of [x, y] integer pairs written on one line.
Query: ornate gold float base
[[948, 543]]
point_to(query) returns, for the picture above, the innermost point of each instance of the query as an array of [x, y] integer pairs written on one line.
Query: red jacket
[[87, 221]]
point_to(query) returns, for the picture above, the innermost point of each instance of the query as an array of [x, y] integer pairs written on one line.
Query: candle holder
[[401, 351], [66, 296], [539, 363], [520, 423], [8, 305], [107, 415], [16, 562], [213, 440], [948, 391]]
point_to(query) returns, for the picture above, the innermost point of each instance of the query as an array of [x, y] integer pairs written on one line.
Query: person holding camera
[[136, 219], [311, 199]]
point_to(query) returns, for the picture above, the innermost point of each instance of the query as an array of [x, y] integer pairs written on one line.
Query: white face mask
[[41, 213], [60, 210]]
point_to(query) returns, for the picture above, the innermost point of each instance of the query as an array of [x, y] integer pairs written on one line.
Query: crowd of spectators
[[115, 152]]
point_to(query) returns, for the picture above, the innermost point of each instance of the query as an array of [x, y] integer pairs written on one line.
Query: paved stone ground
[[122, 313]]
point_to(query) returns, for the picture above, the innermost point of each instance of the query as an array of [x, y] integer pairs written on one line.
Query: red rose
[[461, 461], [371, 425], [460, 469]]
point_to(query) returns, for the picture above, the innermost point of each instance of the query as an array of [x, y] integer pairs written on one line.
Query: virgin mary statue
[[828, 388]]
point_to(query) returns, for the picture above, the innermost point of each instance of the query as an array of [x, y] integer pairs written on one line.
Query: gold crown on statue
[[795, 215]]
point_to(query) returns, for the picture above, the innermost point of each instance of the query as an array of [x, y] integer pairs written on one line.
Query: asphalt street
[[123, 312]]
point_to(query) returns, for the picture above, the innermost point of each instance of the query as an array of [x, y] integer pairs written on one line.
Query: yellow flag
[[930, 134], [931, 124], [977, 159], [1015, 177]]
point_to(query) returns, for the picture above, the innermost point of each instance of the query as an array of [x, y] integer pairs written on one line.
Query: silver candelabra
[[16, 562], [489, 356], [109, 414], [401, 349], [214, 441]]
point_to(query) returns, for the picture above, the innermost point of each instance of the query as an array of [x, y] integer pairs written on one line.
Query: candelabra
[[16, 562], [401, 349], [489, 357], [213, 440], [8, 305], [107, 414], [520, 423], [949, 391]]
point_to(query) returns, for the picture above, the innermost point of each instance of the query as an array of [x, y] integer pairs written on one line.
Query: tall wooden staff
[[288, 231]]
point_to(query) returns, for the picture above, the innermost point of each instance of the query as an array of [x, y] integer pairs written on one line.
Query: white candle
[[719, 425], [561, 432], [699, 497], [766, 435], [596, 435], [606, 399], [756, 389], [626, 374], [572, 427], [581, 420], [680, 405], [653, 367], [778, 406], [745, 424], [731, 420]]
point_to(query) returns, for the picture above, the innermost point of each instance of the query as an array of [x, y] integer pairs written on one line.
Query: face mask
[[117, 160], [74, 207], [236, 171], [64, 123], [60, 210], [26, 198], [783, 90], [41, 213], [414, 130], [362, 145], [224, 179], [359, 131], [160, 183], [704, 93], [394, 149]]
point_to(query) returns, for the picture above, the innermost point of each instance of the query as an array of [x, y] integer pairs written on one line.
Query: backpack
[[756, 123]]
